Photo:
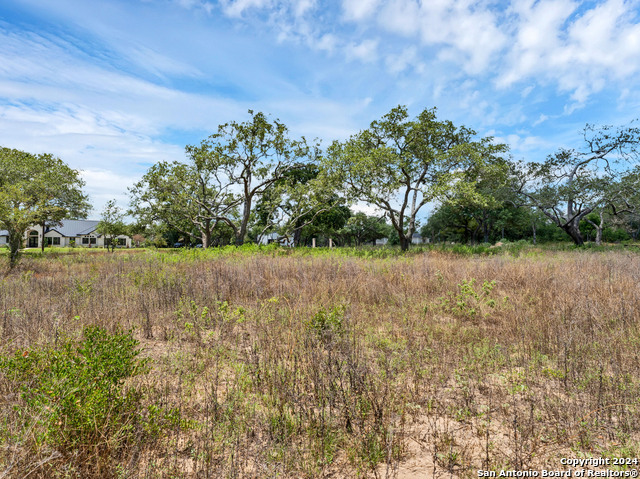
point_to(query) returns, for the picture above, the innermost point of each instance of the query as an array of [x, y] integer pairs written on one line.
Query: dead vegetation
[[269, 365]]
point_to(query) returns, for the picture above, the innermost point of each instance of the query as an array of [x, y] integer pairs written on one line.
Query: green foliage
[[361, 229], [36, 189], [242, 162], [302, 203], [415, 160], [328, 322], [469, 301], [183, 197], [571, 184], [111, 224], [74, 396]]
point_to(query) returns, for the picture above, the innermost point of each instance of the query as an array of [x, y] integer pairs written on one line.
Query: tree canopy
[[571, 184], [251, 178], [36, 189], [112, 224], [400, 165], [246, 160]]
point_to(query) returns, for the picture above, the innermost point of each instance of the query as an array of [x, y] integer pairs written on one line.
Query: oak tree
[[571, 184], [399, 165], [36, 189]]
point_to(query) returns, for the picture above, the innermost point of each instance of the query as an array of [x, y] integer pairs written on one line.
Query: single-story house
[[416, 238], [67, 233], [275, 238]]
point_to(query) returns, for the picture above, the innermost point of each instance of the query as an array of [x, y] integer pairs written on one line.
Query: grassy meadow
[[266, 362]]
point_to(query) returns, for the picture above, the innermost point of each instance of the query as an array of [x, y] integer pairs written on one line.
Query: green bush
[[73, 398], [328, 322]]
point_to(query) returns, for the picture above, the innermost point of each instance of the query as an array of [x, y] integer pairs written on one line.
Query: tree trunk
[[573, 230], [206, 238], [297, 235], [245, 221], [15, 243], [404, 242], [42, 225], [598, 228], [533, 227], [598, 236]]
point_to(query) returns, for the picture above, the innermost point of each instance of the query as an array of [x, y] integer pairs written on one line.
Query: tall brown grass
[[330, 366]]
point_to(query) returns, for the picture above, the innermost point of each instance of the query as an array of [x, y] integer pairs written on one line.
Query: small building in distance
[[269, 238], [67, 233]]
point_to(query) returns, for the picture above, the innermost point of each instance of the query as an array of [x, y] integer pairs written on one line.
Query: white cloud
[[301, 7], [106, 185], [468, 34], [190, 4], [525, 93], [235, 8], [579, 49], [541, 119], [401, 16], [86, 141], [528, 146], [365, 51], [327, 42], [369, 210], [357, 10], [160, 64], [406, 59]]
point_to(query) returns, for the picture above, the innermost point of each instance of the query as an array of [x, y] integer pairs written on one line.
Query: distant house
[[416, 238], [382, 241], [69, 232], [275, 238]]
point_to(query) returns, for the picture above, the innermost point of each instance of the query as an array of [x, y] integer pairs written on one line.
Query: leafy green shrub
[[328, 322], [73, 398], [469, 301]]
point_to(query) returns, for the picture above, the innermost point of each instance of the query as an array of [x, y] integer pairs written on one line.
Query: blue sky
[[113, 86]]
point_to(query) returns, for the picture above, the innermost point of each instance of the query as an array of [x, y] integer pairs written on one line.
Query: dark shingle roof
[[71, 228]]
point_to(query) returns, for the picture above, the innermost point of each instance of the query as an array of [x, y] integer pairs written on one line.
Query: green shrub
[[328, 322], [73, 398]]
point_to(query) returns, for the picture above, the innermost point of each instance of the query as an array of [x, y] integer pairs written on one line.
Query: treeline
[[251, 181]]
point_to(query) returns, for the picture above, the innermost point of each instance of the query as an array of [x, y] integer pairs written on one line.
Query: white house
[[76, 232], [275, 238]]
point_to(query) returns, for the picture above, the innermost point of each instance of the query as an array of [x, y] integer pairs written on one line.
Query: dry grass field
[[283, 364]]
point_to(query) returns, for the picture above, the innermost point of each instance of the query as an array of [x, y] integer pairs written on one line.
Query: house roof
[[75, 227], [4, 233]]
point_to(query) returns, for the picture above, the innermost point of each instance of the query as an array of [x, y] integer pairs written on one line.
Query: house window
[[122, 241], [53, 240], [87, 241]]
